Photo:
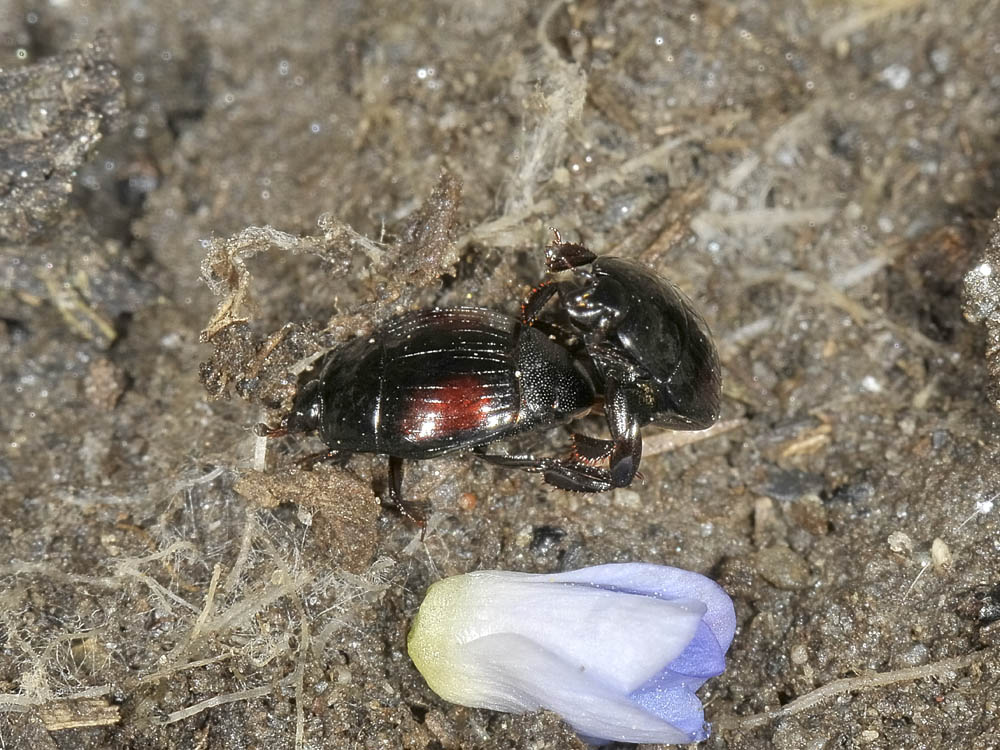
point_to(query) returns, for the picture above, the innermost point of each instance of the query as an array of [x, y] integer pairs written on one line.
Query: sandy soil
[[818, 176]]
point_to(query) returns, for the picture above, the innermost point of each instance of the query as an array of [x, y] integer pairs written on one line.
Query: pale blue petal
[[678, 706], [618, 650], [702, 658], [665, 583]]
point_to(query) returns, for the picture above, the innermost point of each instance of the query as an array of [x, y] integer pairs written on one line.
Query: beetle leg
[[564, 474], [265, 430], [591, 450], [532, 306], [413, 511], [577, 477], [308, 461], [623, 422]]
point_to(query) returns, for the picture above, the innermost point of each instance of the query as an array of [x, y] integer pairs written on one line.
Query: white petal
[[664, 582], [516, 674], [623, 639], [517, 642]]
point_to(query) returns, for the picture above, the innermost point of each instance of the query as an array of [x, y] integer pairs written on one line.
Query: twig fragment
[[851, 685]]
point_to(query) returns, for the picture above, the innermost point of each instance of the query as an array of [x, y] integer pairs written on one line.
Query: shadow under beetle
[[436, 381]]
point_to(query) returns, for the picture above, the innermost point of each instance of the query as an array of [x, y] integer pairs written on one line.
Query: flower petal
[[624, 639], [678, 706], [665, 583], [703, 657], [617, 650], [519, 675]]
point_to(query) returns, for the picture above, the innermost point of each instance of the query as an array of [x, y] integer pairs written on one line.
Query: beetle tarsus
[[566, 474], [309, 461], [562, 256], [414, 512], [576, 477]]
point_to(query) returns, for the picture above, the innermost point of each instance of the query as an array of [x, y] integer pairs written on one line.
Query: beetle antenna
[[265, 430]]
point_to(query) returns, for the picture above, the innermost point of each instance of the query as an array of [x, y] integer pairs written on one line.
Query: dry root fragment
[[260, 367]]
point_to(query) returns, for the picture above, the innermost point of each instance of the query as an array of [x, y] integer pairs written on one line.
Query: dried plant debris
[[340, 509], [52, 116], [262, 367], [89, 280], [236, 615], [982, 305]]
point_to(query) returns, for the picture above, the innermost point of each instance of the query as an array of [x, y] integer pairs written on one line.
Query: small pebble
[[104, 384], [783, 568], [799, 655], [900, 542], [940, 555]]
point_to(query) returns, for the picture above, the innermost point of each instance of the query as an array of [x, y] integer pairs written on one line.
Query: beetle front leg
[[562, 256], [577, 477], [564, 474], [623, 422], [537, 299], [310, 460]]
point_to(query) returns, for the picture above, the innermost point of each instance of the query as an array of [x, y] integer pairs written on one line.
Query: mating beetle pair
[[432, 382]]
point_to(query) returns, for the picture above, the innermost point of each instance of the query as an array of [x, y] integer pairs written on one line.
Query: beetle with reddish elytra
[[432, 382]]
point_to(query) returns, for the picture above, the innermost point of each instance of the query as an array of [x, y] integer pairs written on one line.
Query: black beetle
[[652, 355], [431, 382]]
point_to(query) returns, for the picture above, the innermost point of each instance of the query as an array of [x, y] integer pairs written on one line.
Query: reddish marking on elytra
[[453, 406]]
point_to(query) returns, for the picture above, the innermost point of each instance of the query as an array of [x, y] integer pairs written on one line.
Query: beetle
[[432, 382], [652, 355]]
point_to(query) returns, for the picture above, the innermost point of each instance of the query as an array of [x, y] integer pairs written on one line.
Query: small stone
[[799, 655], [627, 498], [897, 76], [544, 538], [900, 543], [989, 635], [940, 555], [786, 485], [764, 519], [854, 494], [783, 568], [809, 513], [980, 604], [105, 384]]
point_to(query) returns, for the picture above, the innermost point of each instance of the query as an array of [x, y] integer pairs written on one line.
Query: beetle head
[[599, 304]]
